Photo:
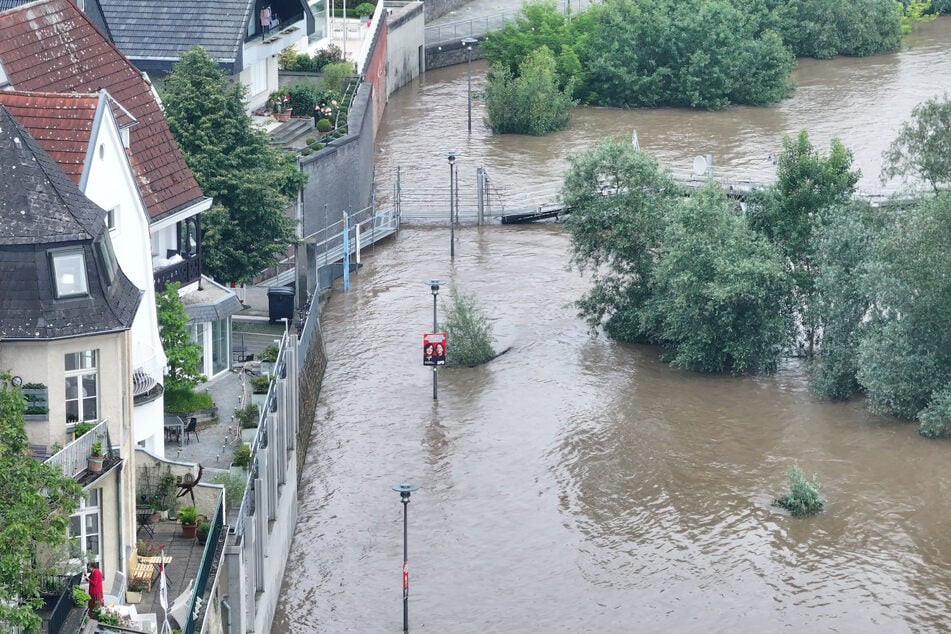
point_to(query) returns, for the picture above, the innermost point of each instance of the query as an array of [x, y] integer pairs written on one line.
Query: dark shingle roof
[[155, 33], [40, 208], [51, 46]]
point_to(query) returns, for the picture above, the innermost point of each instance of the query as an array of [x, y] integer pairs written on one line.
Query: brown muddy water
[[575, 484]]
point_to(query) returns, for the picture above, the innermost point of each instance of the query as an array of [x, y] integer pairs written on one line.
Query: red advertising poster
[[434, 348]]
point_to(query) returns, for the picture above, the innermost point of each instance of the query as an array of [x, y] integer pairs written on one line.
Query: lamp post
[[434, 287], [468, 42], [451, 155], [405, 490]]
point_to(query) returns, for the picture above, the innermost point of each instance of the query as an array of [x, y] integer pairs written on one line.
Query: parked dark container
[[280, 303]]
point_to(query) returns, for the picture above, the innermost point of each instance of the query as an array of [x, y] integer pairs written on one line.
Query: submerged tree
[[36, 501], [791, 212], [803, 497], [620, 200], [530, 103], [468, 333], [922, 148], [721, 297], [905, 359], [251, 181]]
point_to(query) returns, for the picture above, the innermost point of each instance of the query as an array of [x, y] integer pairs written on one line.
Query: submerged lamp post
[[468, 42], [434, 287], [405, 490], [451, 155]]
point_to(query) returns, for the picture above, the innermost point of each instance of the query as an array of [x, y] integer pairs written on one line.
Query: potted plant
[[204, 527], [80, 596], [94, 464], [188, 516], [136, 587]]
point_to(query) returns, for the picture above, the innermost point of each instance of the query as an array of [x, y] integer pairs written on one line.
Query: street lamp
[[405, 489], [434, 287], [468, 42], [451, 155]]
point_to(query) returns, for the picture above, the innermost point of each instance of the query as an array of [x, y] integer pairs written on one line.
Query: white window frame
[[90, 505], [69, 280], [80, 374]]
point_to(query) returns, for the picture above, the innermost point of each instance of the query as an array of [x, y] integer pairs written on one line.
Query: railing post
[[479, 193]]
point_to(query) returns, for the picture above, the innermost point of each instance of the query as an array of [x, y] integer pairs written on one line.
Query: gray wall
[[440, 56], [340, 176]]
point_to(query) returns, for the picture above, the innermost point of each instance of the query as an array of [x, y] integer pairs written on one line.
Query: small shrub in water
[[803, 497], [469, 338]]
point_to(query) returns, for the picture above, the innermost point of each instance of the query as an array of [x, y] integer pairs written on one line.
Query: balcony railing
[[185, 272], [208, 559], [74, 457]]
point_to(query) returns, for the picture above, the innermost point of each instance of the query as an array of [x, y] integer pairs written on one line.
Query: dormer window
[[107, 257], [69, 273]]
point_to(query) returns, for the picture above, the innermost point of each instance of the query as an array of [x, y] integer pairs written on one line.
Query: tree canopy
[[531, 103], [184, 355], [251, 181], [687, 274], [696, 53], [922, 148], [36, 500]]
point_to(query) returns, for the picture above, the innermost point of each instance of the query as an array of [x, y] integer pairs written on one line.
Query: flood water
[[575, 484]]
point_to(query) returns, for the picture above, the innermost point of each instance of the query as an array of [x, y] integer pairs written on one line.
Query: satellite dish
[[699, 166]]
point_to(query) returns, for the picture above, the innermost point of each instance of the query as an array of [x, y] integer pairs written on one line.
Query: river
[[576, 484]]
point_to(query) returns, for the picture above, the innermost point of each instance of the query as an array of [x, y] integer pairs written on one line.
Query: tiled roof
[[154, 33], [61, 124], [52, 46], [40, 207]]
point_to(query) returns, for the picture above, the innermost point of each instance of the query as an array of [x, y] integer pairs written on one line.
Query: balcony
[[73, 459], [184, 269]]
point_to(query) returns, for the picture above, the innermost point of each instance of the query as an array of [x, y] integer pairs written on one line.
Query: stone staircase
[[291, 135]]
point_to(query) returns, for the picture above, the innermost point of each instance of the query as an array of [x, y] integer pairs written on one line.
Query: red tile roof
[[60, 123], [52, 46]]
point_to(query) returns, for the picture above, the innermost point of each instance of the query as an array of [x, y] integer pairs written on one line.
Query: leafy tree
[[530, 103], [923, 145], [843, 255], [905, 360], [619, 200], [790, 213], [251, 181], [467, 331], [935, 420], [539, 24], [36, 500], [803, 497], [721, 295], [184, 355]]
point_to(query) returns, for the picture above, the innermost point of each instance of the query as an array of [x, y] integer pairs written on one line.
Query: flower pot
[[94, 464], [188, 530], [133, 597], [283, 116]]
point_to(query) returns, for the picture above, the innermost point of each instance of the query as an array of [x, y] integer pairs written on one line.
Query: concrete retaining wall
[[442, 56]]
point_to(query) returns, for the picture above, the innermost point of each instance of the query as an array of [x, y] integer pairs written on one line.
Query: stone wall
[[313, 363], [441, 56]]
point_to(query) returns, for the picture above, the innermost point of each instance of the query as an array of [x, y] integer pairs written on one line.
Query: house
[[82, 133], [66, 315], [51, 46], [154, 34]]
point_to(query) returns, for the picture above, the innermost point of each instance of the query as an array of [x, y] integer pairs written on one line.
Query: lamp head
[[451, 155], [434, 285], [405, 489]]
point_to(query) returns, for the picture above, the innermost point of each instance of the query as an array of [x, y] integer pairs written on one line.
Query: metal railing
[[204, 569], [74, 457], [372, 225], [185, 272], [481, 25]]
